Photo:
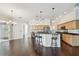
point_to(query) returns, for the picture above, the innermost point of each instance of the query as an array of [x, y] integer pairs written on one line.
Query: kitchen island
[[71, 37], [45, 39]]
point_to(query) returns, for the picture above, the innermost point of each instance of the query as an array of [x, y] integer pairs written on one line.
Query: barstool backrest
[[33, 34], [54, 36]]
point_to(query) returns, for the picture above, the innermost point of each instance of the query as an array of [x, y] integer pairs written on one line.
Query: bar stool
[[33, 38], [40, 38], [54, 42], [40, 44]]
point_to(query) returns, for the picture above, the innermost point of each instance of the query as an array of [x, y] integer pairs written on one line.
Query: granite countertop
[[68, 33], [44, 32]]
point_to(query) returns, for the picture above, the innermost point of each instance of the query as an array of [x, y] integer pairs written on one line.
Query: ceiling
[[29, 11]]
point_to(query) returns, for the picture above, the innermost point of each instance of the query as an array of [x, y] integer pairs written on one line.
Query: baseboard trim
[[76, 46], [67, 43]]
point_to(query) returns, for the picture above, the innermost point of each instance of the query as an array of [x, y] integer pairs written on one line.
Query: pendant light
[[40, 16], [52, 18]]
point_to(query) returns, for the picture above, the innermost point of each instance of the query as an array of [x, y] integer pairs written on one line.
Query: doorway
[[25, 31], [3, 32]]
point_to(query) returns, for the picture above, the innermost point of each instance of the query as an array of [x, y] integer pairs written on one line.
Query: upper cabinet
[[68, 25]]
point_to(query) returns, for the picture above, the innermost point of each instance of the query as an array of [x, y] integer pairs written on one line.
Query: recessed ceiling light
[[11, 10], [20, 17], [53, 21], [56, 18], [41, 11], [36, 16], [60, 16], [53, 8], [64, 12]]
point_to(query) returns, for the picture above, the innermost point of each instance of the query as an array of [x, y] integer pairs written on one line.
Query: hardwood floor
[[17, 47], [22, 47], [69, 50]]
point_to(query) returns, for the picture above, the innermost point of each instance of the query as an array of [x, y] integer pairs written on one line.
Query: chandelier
[[12, 18]]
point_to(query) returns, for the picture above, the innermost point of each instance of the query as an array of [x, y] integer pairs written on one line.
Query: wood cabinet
[[39, 27], [77, 24], [67, 38], [69, 25]]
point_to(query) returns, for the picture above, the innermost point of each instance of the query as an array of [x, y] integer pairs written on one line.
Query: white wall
[[17, 31], [77, 12], [3, 30]]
